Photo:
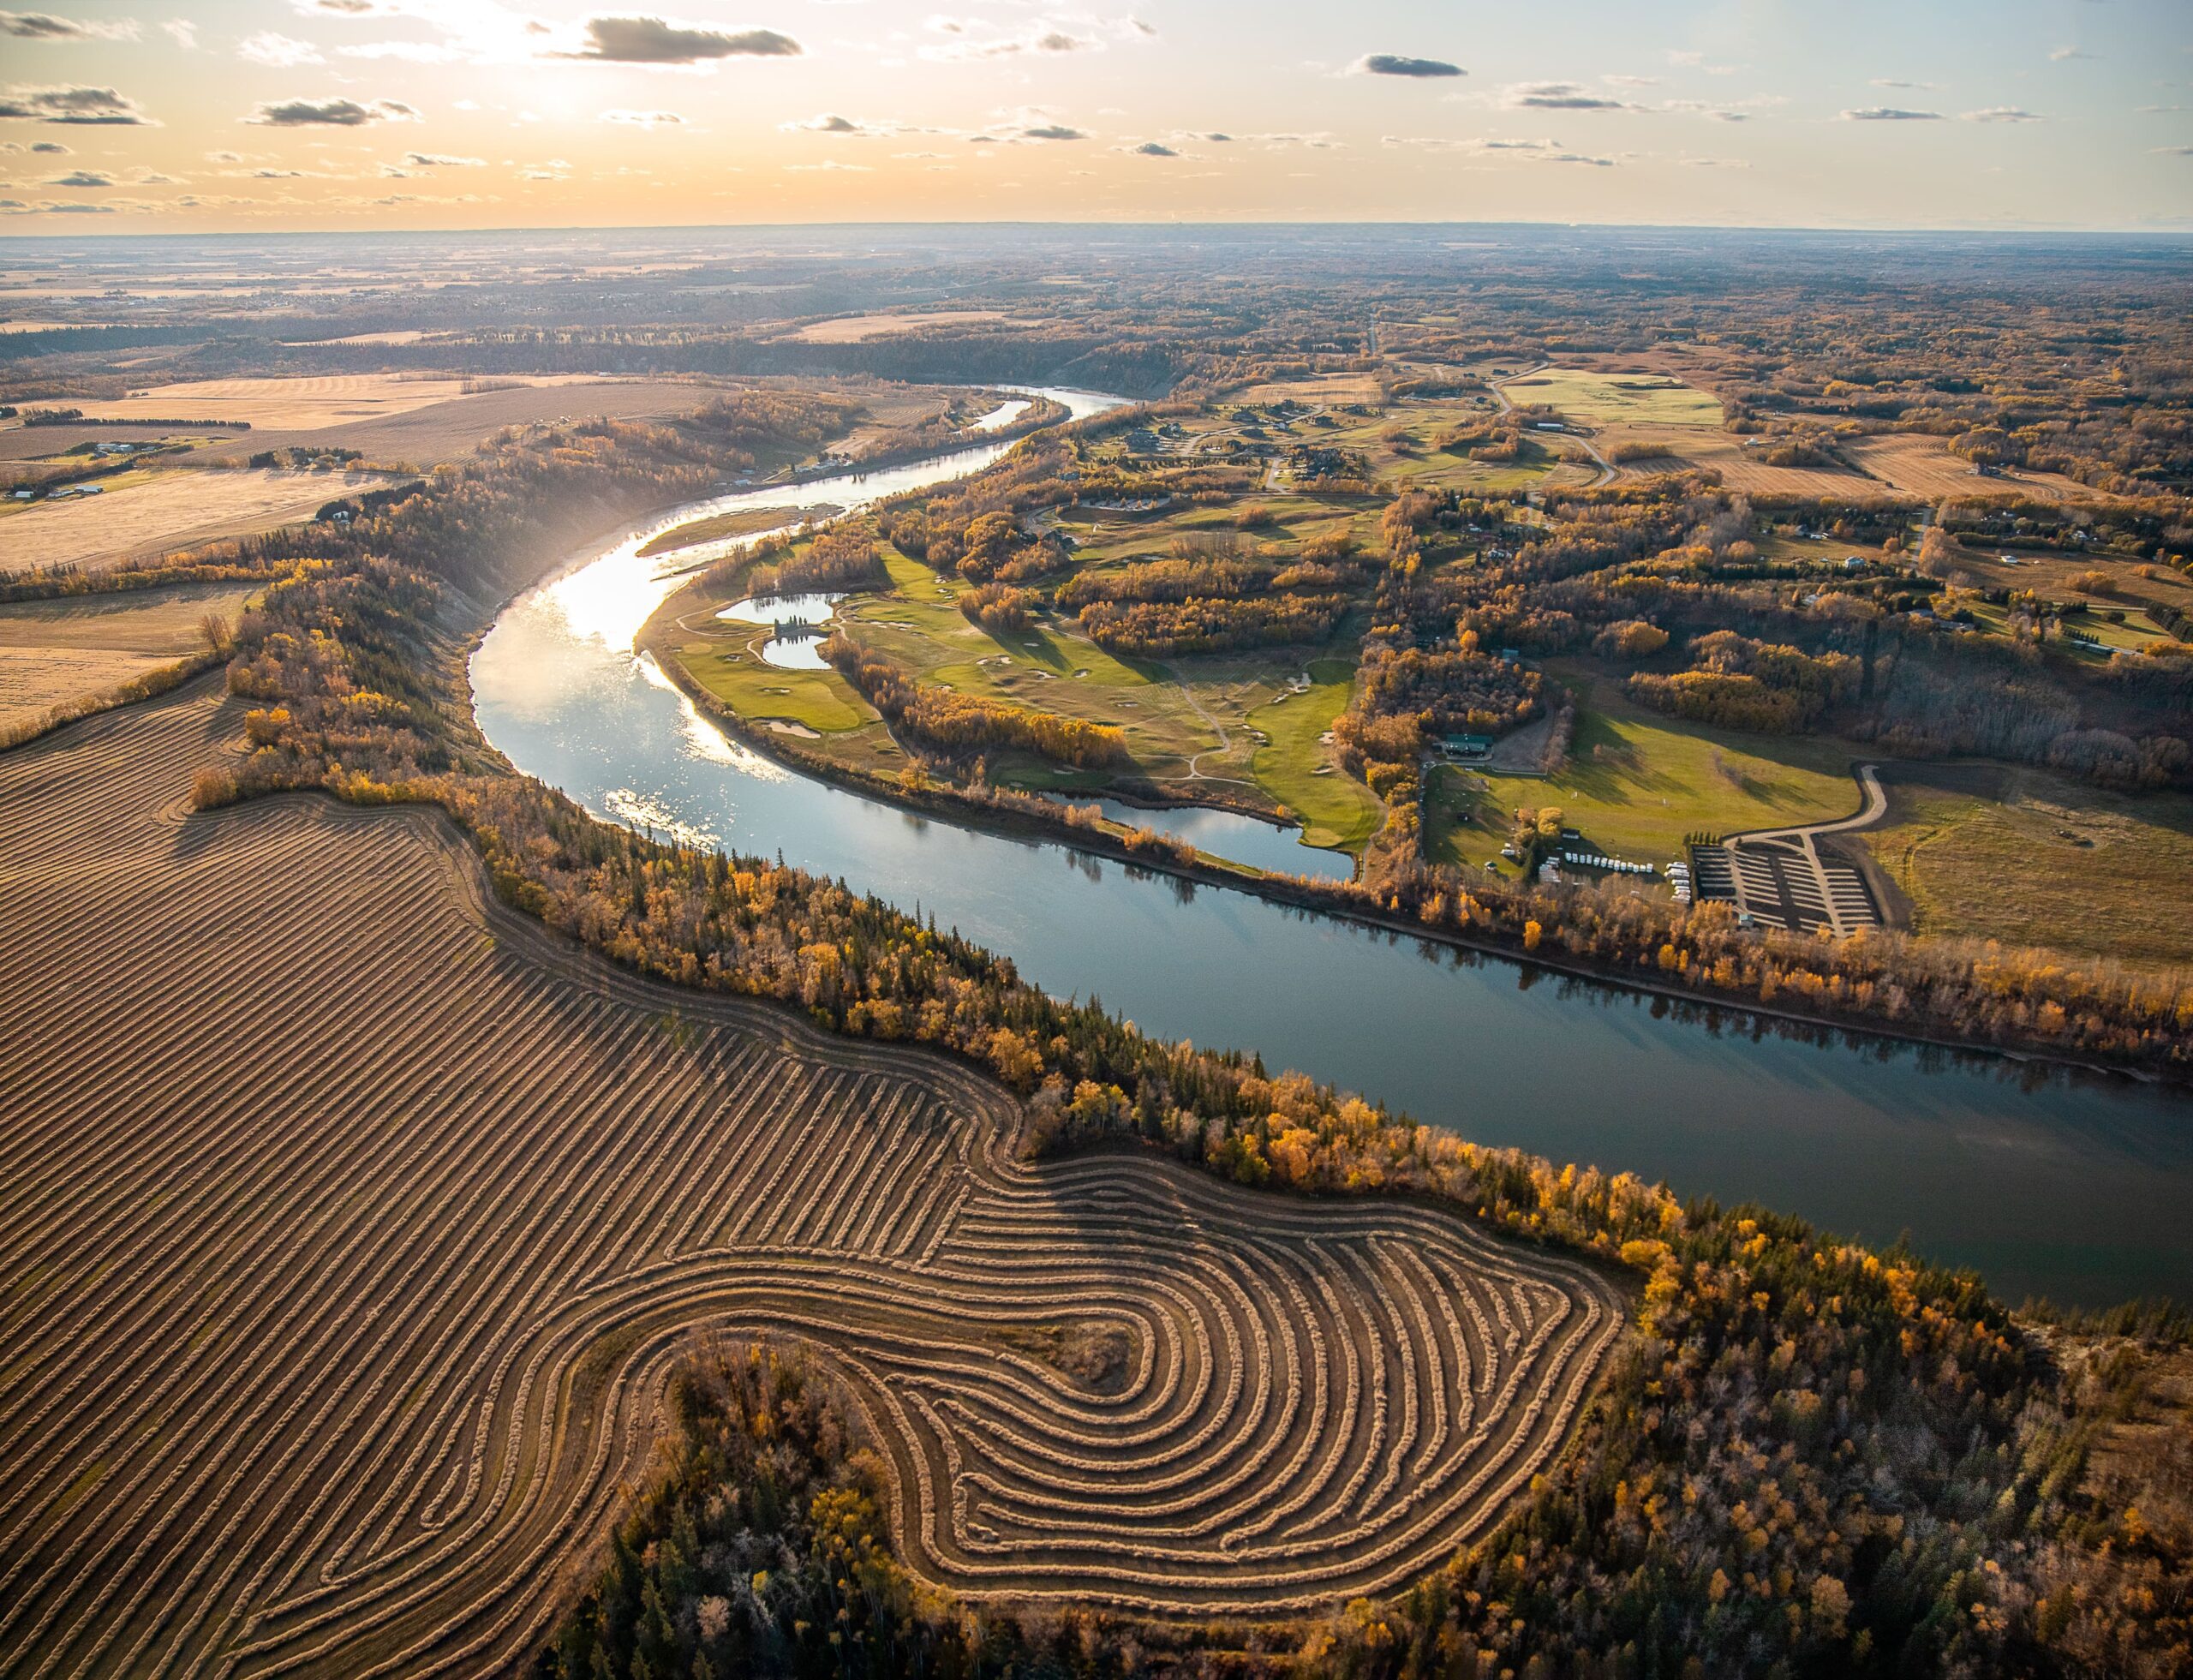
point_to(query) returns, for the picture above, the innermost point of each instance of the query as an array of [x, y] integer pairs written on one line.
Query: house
[[1457, 749]]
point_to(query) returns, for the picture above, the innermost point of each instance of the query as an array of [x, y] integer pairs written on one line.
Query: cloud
[[1151, 148], [282, 51], [642, 119], [408, 52], [44, 27], [2065, 54], [1888, 114], [440, 160], [2003, 114], [1400, 64], [1560, 96], [1535, 151], [1043, 40], [2174, 150], [94, 107], [82, 178], [50, 148], [332, 113], [830, 123], [651, 40], [556, 169], [1903, 85], [833, 165], [182, 32]]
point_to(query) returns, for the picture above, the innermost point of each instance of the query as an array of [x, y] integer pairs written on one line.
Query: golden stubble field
[[311, 403], [160, 510], [59, 652], [351, 1225]]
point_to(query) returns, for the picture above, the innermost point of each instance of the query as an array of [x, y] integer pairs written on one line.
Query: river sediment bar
[[352, 1223]]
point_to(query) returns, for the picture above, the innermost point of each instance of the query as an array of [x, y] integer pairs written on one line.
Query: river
[[2054, 1182]]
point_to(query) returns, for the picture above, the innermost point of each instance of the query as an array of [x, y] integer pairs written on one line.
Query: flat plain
[[351, 1225], [54, 653], [157, 510]]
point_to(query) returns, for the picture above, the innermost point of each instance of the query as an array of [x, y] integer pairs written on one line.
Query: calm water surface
[[2075, 1187]]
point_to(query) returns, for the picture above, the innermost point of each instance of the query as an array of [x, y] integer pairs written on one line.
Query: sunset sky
[[471, 113]]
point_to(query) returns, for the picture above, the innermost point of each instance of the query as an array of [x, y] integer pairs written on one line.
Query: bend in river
[[2049, 1181]]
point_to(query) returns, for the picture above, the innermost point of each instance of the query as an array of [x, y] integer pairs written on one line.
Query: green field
[[2028, 858], [1616, 400], [1336, 810], [1637, 783], [731, 671], [1238, 719]]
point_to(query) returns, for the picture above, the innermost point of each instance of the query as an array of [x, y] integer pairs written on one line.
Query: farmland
[[154, 511], [859, 329], [62, 654], [353, 1224], [299, 405]]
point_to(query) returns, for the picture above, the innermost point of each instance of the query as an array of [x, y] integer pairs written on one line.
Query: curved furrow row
[[351, 1225]]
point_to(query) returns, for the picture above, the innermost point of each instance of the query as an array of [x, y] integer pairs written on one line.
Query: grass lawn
[[1995, 852], [1336, 810], [1636, 783], [730, 669], [1049, 666]]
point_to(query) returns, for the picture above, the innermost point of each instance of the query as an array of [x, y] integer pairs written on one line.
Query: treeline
[[78, 417], [959, 722], [1162, 630], [1735, 683], [999, 607], [838, 559]]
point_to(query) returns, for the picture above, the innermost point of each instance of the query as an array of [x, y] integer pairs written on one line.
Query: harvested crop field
[[350, 1224], [448, 430], [311, 403], [1923, 466], [54, 653], [859, 329], [162, 510]]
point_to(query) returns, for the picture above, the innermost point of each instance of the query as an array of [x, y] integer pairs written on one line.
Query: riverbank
[[1026, 816]]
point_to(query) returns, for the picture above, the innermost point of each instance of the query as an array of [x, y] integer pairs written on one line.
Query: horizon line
[[106, 230]]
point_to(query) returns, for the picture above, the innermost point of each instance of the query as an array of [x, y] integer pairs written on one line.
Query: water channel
[[2075, 1185]]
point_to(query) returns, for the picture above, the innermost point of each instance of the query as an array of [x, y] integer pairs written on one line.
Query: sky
[[131, 116]]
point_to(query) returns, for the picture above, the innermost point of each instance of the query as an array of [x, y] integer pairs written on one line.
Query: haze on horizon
[[137, 116]]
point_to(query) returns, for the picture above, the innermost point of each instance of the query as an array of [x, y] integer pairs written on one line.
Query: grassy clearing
[[1617, 399], [2030, 859], [1636, 783], [1295, 766]]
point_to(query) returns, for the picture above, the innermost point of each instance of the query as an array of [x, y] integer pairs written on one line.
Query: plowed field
[[350, 1224]]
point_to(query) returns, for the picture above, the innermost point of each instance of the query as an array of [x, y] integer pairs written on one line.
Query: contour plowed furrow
[[350, 1226]]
